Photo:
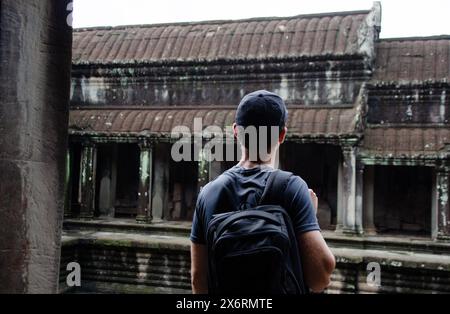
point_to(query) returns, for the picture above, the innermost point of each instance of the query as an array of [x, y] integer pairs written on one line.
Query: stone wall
[[425, 103], [148, 264], [35, 54], [323, 82], [117, 266]]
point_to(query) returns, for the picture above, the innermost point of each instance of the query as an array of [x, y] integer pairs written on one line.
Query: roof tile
[[307, 35], [413, 59], [405, 141], [303, 121]]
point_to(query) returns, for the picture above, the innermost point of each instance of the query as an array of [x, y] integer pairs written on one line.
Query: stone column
[[203, 171], [368, 199], [144, 211], [359, 196], [68, 185], [215, 170], [104, 175], [347, 217], [35, 57], [442, 220], [87, 180], [160, 193], [213, 160], [114, 157]]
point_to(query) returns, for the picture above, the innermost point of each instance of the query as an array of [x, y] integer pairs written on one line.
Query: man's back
[[239, 188]]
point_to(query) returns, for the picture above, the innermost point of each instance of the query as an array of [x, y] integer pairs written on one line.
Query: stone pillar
[[144, 211], [104, 175], [368, 199], [348, 222], [35, 57], [359, 196], [212, 158], [160, 193], [114, 157], [215, 170], [340, 211], [88, 165], [442, 221], [203, 171], [68, 185], [434, 206]]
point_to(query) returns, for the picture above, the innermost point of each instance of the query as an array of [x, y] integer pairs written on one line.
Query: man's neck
[[246, 163], [250, 165]]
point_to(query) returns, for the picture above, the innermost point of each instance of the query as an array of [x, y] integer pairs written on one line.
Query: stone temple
[[368, 131]]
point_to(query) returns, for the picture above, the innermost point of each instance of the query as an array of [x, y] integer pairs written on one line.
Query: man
[[261, 109]]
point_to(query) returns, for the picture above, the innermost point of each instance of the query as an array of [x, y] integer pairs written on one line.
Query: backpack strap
[[275, 186]]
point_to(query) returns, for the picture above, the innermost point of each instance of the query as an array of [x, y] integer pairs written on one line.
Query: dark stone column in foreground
[[35, 63]]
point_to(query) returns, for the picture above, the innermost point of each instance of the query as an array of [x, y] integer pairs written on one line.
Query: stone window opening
[[402, 200]]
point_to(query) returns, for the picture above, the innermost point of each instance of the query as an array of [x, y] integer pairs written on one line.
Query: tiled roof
[[160, 122], [307, 35], [413, 59], [327, 122], [405, 141]]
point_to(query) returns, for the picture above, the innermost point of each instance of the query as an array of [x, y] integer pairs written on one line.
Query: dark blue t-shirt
[[240, 188]]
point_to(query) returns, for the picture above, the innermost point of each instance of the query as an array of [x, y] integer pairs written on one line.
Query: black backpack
[[254, 251]]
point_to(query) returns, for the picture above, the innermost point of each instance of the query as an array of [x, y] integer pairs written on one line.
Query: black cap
[[261, 108]]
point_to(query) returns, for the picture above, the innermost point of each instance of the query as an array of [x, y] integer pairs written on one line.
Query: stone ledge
[[128, 225], [334, 239], [391, 258], [388, 243], [125, 240]]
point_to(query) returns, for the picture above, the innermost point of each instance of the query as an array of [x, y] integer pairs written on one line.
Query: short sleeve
[[300, 206], [197, 231]]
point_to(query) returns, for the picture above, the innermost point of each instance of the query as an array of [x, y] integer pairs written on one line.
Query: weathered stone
[[88, 180], [144, 210], [161, 178], [153, 264], [35, 54], [443, 204], [349, 221]]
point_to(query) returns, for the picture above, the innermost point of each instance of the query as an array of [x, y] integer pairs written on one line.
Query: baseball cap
[[261, 108]]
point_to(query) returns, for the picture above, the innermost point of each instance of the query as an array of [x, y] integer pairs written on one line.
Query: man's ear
[[235, 131], [282, 137]]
